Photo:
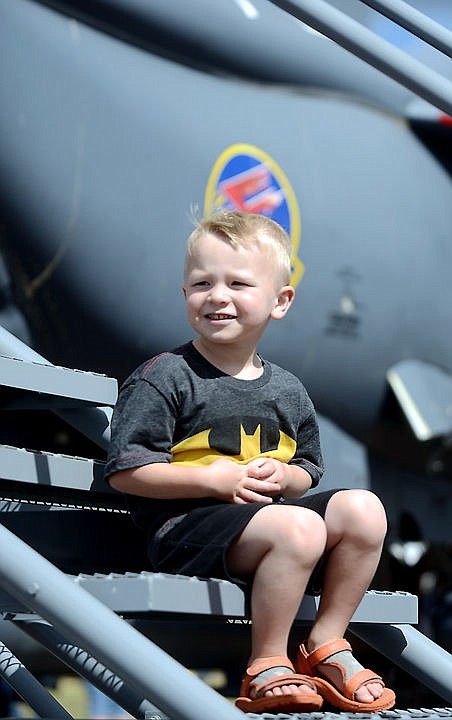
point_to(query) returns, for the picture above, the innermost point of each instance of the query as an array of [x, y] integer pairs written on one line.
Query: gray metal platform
[[78, 386], [145, 592], [159, 592], [50, 469]]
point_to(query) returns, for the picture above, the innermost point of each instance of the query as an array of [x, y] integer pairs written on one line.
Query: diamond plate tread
[[410, 714]]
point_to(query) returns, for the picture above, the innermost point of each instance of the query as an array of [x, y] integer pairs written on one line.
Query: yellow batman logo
[[197, 450]]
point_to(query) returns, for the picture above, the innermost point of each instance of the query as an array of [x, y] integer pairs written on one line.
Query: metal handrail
[[367, 45], [415, 22]]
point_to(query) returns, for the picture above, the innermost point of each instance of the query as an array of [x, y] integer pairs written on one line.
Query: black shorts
[[196, 543]]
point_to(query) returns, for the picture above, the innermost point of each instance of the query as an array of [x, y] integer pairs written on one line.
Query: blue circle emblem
[[246, 178]]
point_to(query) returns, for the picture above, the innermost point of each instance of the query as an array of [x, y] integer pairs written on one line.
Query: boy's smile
[[219, 316], [232, 293]]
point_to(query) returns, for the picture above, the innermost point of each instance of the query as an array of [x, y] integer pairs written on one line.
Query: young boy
[[219, 448]]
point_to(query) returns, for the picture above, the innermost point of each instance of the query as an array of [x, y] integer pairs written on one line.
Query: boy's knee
[[366, 505], [301, 532], [361, 512]]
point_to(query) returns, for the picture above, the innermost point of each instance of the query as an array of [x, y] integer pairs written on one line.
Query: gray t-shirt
[[179, 408]]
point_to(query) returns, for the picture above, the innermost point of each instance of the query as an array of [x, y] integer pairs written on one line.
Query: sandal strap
[[278, 681], [269, 673], [323, 655], [363, 677], [324, 652], [270, 662]]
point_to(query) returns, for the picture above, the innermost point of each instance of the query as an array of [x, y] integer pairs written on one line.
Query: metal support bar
[[28, 688], [412, 651], [93, 422], [88, 667], [415, 22], [87, 622], [376, 51]]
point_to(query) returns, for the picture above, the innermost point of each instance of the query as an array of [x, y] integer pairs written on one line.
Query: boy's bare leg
[[280, 546], [356, 527]]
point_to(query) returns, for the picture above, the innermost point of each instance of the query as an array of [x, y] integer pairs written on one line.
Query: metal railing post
[[371, 48]]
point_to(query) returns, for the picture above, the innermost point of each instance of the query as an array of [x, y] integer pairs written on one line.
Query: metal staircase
[[80, 616]]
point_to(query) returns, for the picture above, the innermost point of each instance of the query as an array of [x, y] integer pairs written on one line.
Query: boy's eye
[[239, 282], [200, 283]]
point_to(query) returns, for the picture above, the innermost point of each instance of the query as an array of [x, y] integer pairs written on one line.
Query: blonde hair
[[242, 229]]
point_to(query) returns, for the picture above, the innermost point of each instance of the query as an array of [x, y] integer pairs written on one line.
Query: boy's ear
[[184, 290], [283, 302]]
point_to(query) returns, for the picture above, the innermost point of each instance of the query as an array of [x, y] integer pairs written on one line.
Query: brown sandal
[[344, 698], [270, 673]]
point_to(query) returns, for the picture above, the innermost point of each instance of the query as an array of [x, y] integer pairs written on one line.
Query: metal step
[[49, 469], [78, 386], [54, 479], [160, 592], [137, 593]]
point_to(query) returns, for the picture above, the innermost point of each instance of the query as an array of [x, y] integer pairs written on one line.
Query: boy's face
[[232, 293]]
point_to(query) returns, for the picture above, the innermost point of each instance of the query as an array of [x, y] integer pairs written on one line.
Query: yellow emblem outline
[[212, 199]]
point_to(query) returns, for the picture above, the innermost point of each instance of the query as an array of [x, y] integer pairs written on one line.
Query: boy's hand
[[235, 484], [292, 480], [268, 469]]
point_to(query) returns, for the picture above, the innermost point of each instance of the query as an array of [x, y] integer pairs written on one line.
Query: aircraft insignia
[[246, 178]]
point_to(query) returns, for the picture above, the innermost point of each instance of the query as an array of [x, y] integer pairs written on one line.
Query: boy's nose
[[218, 294]]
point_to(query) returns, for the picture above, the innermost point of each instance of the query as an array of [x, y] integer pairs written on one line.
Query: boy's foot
[[342, 680], [272, 685]]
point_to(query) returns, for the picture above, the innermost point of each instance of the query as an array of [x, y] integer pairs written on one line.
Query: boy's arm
[[223, 480], [297, 481], [308, 456], [163, 481]]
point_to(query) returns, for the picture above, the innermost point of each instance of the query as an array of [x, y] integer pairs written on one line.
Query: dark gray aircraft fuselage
[[114, 126]]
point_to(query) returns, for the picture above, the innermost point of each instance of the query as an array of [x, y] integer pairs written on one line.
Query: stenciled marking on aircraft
[[345, 319], [246, 178]]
